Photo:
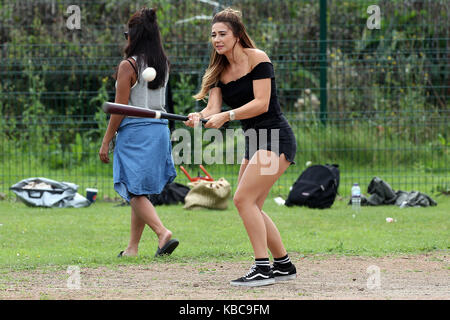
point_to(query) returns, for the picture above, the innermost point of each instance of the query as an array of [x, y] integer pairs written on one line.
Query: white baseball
[[149, 74], [389, 220]]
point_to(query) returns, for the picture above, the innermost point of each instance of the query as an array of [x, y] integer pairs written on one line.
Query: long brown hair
[[218, 62]]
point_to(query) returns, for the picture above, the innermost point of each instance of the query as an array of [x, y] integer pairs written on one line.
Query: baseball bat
[[127, 110]]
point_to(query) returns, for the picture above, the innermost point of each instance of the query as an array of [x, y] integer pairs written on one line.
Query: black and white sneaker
[[284, 274], [254, 278]]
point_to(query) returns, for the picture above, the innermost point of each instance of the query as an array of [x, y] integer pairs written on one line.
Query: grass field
[[93, 236]]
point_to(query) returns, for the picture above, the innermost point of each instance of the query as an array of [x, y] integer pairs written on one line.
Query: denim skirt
[[143, 162]]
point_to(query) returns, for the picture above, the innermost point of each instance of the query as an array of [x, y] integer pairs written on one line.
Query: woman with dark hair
[[243, 77], [143, 162]]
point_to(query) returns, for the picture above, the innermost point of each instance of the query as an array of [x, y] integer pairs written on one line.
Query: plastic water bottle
[[356, 197]]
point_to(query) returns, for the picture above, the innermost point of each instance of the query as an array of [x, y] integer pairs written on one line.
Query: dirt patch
[[319, 277]]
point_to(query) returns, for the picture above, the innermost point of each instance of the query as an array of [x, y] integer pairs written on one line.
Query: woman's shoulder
[[256, 56], [127, 65]]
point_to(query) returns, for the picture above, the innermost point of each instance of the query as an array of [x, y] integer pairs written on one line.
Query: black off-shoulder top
[[239, 92]]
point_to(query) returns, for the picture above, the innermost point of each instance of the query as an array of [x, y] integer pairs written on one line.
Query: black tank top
[[239, 92]]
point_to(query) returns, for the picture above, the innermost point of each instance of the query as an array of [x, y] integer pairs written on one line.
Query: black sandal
[[167, 248]]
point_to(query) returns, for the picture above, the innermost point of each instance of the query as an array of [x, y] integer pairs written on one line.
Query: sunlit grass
[[31, 237]]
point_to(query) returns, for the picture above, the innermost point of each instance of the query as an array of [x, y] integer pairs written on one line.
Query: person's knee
[[134, 198], [239, 200], [260, 202], [243, 199]]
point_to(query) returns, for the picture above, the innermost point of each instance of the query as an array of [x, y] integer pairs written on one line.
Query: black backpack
[[316, 187], [173, 193]]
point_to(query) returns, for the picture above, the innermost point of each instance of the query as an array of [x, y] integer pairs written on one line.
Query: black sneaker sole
[[254, 283]]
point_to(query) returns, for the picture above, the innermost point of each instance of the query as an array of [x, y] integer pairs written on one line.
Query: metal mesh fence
[[372, 100]]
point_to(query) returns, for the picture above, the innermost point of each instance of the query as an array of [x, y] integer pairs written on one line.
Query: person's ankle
[[163, 237], [130, 253]]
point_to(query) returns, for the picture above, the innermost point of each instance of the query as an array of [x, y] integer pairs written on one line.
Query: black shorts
[[274, 135]]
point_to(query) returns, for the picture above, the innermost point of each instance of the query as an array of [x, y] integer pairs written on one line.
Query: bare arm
[[214, 102], [214, 106], [125, 77], [260, 103]]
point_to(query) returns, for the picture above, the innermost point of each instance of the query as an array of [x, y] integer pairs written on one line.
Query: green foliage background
[[387, 88]]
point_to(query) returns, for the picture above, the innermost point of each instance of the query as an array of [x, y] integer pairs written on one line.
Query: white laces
[[252, 269]]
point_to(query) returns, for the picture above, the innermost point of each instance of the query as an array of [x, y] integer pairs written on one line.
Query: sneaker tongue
[[252, 269]]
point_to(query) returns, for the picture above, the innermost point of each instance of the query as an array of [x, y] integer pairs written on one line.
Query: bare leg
[[274, 242], [136, 229], [252, 190], [145, 212]]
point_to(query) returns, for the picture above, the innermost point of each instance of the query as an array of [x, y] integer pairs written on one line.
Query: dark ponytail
[[146, 44], [150, 15]]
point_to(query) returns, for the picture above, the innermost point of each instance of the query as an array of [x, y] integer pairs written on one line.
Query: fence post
[[323, 62]]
